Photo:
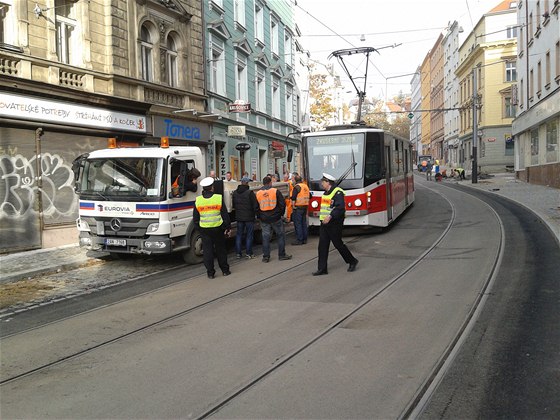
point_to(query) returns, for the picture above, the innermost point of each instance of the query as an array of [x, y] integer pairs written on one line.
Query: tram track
[[421, 396]]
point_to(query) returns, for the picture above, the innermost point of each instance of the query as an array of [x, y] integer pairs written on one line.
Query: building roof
[[504, 5]]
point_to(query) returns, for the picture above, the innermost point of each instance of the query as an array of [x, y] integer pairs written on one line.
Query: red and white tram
[[372, 166]]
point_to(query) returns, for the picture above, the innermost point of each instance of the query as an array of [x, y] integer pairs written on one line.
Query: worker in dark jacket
[[246, 206], [271, 210], [211, 216], [332, 215]]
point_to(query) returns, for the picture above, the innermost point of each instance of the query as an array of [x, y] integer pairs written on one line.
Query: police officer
[[211, 216], [332, 219]]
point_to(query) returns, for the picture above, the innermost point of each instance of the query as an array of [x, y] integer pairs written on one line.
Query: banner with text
[[36, 109]]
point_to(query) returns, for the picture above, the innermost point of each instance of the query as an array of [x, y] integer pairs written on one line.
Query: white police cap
[[206, 182], [328, 177]]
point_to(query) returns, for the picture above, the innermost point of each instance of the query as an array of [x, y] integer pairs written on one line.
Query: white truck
[[127, 205]]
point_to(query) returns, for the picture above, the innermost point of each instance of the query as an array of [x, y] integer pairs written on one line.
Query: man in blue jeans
[[271, 210], [246, 206]]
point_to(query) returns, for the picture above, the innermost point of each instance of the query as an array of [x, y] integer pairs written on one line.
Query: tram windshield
[[123, 179], [335, 154]]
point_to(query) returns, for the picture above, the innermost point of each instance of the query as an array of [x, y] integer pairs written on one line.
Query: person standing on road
[[211, 217], [331, 216], [246, 206], [300, 198], [429, 167], [271, 210]]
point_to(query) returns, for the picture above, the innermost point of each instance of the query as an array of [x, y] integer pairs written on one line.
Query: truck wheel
[[194, 254]]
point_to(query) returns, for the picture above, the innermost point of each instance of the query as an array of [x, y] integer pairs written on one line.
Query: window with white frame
[[511, 71], [509, 109], [242, 91], [239, 11], [547, 70], [534, 146], [539, 78], [146, 54], [259, 22], [552, 142], [218, 69], [274, 36], [171, 64], [260, 89], [8, 20], [289, 105], [275, 97], [288, 50], [511, 32], [65, 31]]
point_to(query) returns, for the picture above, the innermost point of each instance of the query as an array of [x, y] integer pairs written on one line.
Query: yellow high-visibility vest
[[326, 203], [210, 210]]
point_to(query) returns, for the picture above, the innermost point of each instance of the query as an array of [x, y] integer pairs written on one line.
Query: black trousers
[[214, 243], [332, 232]]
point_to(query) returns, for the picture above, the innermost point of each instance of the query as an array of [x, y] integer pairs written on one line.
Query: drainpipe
[[39, 181]]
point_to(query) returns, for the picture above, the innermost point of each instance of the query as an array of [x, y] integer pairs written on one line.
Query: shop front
[[39, 139], [261, 152]]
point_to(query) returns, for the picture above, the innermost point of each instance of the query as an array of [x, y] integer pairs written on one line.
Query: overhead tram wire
[[336, 33]]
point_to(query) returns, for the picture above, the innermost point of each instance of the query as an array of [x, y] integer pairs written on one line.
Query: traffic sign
[[410, 115]]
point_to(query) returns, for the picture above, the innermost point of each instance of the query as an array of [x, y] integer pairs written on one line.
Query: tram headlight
[[357, 202], [314, 204]]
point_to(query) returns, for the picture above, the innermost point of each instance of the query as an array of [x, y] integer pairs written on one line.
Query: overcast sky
[[416, 24]]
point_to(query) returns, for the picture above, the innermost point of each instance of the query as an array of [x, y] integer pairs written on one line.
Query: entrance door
[[388, 185]]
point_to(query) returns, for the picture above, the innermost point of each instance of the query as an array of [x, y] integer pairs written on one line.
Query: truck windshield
[[123, 179]]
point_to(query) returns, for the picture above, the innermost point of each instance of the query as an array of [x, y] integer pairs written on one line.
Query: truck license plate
[[115, 242]]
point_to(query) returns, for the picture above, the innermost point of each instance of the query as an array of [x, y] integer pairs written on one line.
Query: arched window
[[146, 54], [171, 62]]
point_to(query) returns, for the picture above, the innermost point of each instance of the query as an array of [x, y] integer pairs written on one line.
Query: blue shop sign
[[175, 128]]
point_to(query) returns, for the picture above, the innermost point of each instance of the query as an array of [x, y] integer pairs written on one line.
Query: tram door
[[388, 186], [406, 169]]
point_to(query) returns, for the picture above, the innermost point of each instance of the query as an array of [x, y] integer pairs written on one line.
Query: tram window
[[374, 164]]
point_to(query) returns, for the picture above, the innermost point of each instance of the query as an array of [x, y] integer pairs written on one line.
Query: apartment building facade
[[250, 48], [537, 125], [74, 73], [451, 42], [489, 55], [437, 92]]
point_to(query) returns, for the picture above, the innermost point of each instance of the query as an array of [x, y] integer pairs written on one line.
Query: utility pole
[[474, 175]]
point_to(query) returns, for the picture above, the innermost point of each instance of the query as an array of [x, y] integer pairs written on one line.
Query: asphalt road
[[509, 367], [271, 341]]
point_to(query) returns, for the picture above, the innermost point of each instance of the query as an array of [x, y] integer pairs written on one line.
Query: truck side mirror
[[77, 168]]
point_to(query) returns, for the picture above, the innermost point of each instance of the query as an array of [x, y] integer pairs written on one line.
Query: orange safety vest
[[267, 199], [302, 199], [288, 200]]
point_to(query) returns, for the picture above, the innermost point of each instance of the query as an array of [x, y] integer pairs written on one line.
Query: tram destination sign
[[340, 139]]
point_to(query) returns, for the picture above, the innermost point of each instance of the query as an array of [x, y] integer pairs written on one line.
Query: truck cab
[[128, 204]]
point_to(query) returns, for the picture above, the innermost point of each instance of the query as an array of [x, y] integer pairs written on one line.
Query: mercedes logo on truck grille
[[116, 224]]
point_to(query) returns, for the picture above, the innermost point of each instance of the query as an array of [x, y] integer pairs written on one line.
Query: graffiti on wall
[[19, 188]]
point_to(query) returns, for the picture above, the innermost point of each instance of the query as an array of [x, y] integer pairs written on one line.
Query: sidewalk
[[22, 265], [544, 201]]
